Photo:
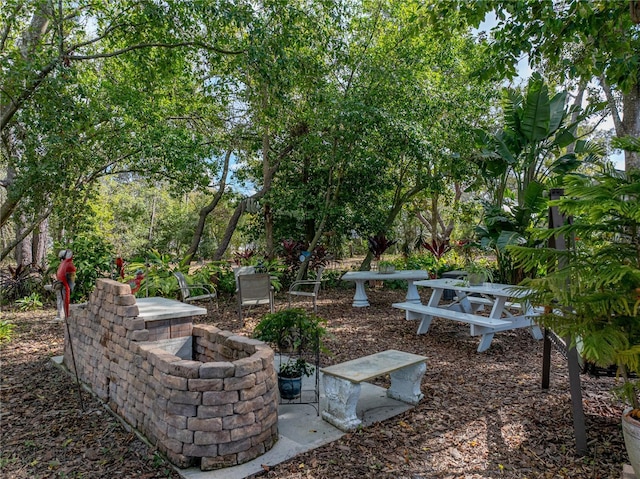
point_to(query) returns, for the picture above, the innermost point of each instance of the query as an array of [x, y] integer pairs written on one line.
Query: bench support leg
[[341, 399], [405, 384], [425, 321], [485, 341], [412, 293]]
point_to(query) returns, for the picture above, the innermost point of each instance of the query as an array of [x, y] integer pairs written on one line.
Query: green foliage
[[292, 329], [295, 367], [30, 303], [18, 282], [427, 262], [331, 279], [6, 330], [92, 257], [530, 149], [482, 272], [592, 289], [158, 275]]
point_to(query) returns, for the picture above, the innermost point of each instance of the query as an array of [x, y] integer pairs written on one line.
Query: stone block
[[217, 370], [201, 450], [183, 435], [233, 384], [205, 384], [161, 359], [234, 447], [178, 409], [266, 437], [246, 366], [133, 324], [216, 398], [204, 424], [176, 421], [218, 462], [173, 445], [238, 420], [185, 368], [251, 453], [245, 432], [119, 330], [186, 397], [206, 412], [204, 438], [253, 392], [179, 460], [243, 407], [125, 300]]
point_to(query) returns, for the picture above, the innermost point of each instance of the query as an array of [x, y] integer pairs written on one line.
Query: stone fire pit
[[204, 396]]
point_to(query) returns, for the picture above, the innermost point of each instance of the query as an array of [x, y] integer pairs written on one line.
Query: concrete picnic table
[[360, 299]]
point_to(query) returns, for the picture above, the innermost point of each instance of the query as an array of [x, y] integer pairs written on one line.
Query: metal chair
[[307, 288], [254, 289], [242, 270], [185, 291]]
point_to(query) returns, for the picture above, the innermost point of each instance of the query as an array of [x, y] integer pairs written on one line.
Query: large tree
[[79, 94], [585, 41]]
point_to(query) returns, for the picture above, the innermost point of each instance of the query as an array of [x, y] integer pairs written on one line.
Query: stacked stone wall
[[217, 409]]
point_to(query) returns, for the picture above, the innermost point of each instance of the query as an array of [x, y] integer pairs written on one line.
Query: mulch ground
[[483, 415]]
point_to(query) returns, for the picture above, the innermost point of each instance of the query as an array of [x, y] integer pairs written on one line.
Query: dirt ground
[[483, 415]]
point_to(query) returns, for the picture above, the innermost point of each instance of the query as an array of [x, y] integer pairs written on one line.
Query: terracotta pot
[[631, 433]]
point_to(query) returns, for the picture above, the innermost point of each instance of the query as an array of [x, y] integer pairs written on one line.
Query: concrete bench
[[342, 383]]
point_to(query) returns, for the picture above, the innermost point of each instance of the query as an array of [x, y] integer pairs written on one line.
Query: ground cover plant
[[483, 415]]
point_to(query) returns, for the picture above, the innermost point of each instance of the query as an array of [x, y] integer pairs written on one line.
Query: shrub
[[29, 303], [6, 329]]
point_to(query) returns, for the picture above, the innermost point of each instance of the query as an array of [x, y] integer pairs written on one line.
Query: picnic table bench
[[342, 383]]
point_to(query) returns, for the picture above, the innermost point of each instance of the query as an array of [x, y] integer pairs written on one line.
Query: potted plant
[[591, 291], [290, 377], [386, 267], [297, 333], [291, 329], [478, 273]]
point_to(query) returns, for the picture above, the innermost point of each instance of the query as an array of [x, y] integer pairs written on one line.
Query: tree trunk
[[204, 212], [39, 244], [231, 227], [631, 121], [268, 231]]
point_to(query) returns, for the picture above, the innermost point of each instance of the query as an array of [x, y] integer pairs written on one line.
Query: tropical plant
[[379, 243], [538, 141], [437, 248], [18, 282], [591, 291], [157, 272], [478, 273]]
